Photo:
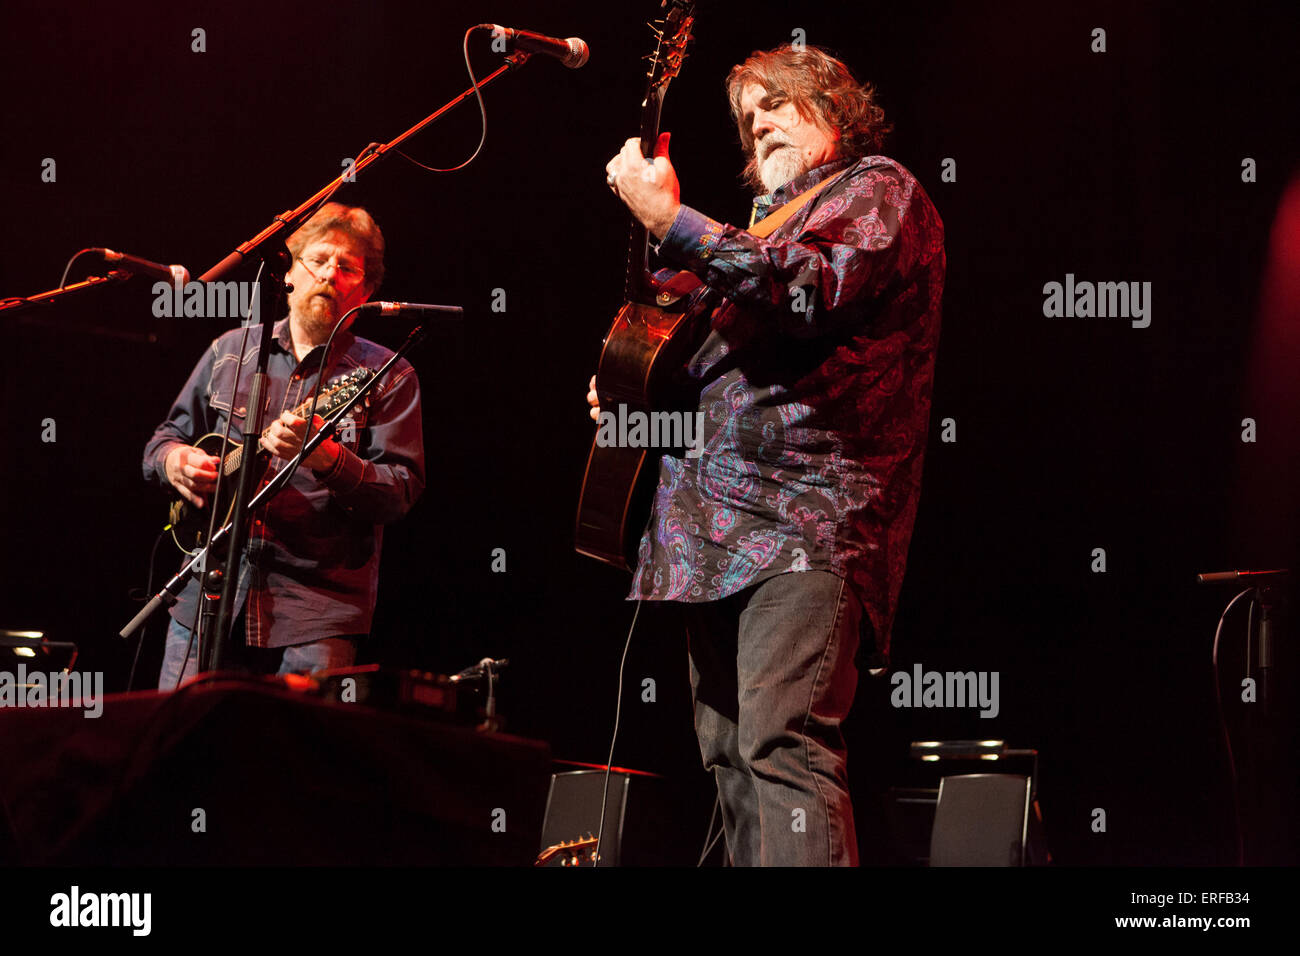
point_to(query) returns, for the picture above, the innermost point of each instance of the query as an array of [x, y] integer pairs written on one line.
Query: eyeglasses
[[317, 265]]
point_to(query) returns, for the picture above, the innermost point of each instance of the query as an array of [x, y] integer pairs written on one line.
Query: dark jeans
[[773, 672], [307, 658]]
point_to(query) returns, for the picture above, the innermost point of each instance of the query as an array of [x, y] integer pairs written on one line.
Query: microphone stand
[[284, 225], [212, 642], [172, 589], [488, 668], [1266, 598], [1258, 782], [45, 298], [288, 222]]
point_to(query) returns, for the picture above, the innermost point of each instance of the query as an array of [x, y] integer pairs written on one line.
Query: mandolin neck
[[230, 464]]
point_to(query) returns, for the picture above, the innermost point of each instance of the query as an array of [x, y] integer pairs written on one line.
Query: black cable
[[195, 628], [1223, 725], [68, 268], [478, 95], [230, 416], [148, 592], [609, 762], [315, 395], [473, 80], [709, 844], [225, 442], [320, 203]]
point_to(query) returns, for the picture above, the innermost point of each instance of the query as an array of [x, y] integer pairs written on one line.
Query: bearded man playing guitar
[[786, 538], [309, 576]]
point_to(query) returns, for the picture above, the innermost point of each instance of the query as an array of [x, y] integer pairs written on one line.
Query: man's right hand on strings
[[192, 472]]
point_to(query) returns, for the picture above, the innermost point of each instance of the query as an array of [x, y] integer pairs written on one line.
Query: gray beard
[[780, 166]]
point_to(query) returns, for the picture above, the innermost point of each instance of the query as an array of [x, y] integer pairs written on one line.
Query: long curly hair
[[822, 90]]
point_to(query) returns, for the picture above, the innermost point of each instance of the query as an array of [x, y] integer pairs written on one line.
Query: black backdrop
[[1072, 434]]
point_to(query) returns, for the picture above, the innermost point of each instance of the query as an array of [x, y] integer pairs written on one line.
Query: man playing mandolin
[[309, 580], [786, 540]]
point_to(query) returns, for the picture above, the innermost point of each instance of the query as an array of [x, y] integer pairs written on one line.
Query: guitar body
[[643, 355]]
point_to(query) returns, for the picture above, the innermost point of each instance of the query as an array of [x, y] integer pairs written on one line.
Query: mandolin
[[643, 353], [189, 524]]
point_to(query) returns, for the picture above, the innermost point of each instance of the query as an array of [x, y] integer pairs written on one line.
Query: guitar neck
[[638, 284]]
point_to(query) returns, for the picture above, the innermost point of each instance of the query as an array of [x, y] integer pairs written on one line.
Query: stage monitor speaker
[[647, 821], [908, 825], [981, 819]]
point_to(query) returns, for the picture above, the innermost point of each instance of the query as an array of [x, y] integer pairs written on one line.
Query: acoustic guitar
[[644, 351]]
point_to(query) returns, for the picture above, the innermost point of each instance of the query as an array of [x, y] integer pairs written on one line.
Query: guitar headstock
[[579, 852], [672, 34]]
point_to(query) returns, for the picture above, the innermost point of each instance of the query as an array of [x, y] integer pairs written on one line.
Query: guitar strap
[[775, 221], [684, 283]]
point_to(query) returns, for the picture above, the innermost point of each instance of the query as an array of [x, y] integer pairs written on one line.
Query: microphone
[[178, 275], [1216, 577], [486, 666], [397, 308], [572, 52]]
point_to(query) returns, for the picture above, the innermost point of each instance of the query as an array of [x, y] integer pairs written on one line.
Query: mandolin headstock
[[337, 392]]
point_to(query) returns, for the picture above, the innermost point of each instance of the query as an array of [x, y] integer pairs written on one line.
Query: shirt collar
[[763, 205], [284, 338]]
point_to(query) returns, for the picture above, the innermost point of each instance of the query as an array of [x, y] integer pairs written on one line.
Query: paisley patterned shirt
[[814, 380]]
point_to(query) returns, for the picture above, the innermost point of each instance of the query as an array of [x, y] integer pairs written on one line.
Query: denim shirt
[[814, 381], [311, 569]]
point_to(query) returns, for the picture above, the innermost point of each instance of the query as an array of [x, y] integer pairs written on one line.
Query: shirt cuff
[[692, 237], [347, 473], [160, 461]]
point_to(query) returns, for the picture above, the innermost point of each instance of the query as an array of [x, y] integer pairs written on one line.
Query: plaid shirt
[[312, 562], [814, 378]]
